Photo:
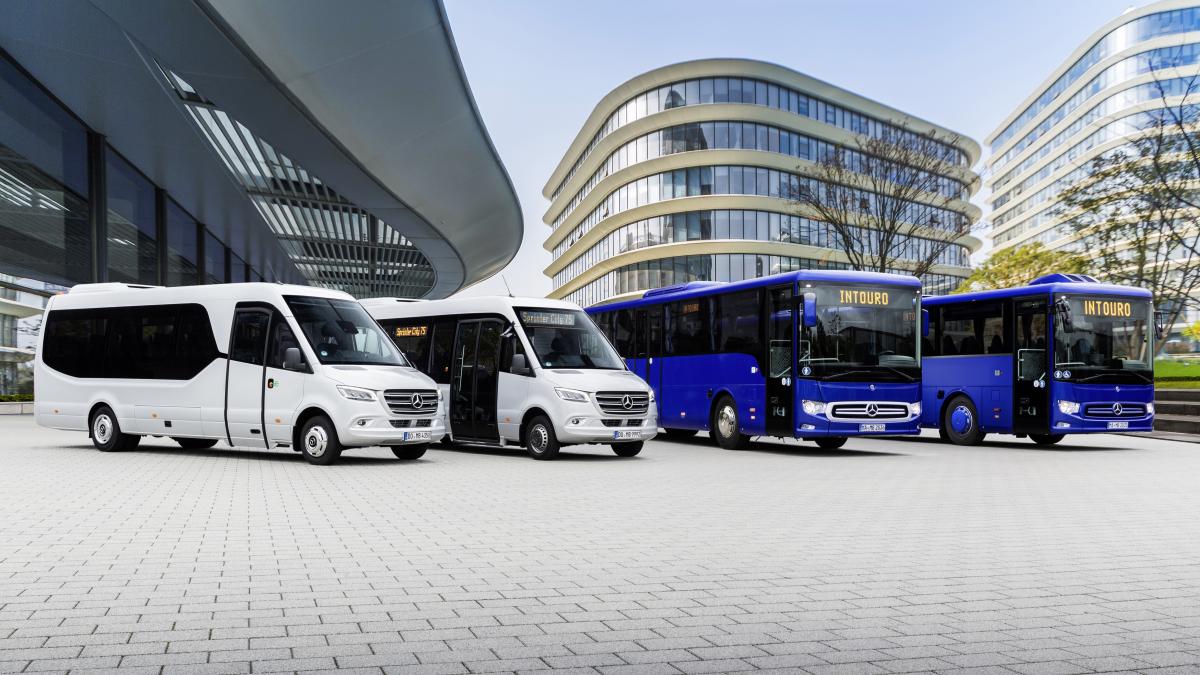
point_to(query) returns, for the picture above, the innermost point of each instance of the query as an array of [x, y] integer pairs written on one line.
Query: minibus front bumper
[[586, 429], [365, 430]]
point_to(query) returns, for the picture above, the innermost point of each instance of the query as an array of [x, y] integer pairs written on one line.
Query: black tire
[[1046, 440], [195, 443], [830, 442], [679, 434], [627, 449], [409, 451], [106, 432], [318, 441], [960, 410], [540, 440], [725, 425]]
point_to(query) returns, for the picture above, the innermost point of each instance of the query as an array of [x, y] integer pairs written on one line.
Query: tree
[[1018, 265], [1136, 216], [888, 187], [1192, 331]]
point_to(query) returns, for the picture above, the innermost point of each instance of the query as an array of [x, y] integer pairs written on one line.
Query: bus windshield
[[1109, 340], [342, 333], [863, 333], [567, 338]]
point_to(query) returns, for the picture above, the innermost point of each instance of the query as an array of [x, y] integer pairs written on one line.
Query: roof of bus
[[1074, 287], [399, 308], [702, 288], [118, 294]]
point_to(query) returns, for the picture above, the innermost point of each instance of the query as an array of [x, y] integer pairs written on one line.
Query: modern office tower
[[1102, 93], [676, 176], [213, 141]]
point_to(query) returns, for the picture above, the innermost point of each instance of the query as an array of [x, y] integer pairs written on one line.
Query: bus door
[[245, 376], [781, 361], [653, 349], [639, 358], [1031, 391], [474, 378]]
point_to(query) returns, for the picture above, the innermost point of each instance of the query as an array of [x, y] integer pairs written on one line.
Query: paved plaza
[[889, 556]]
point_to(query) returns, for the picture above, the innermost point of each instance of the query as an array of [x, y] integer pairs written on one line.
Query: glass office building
[[1105, 91], [683, 174], [140, 144]]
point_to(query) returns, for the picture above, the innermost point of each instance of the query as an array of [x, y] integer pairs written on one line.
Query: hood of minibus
[[379, 377], [594, 379]]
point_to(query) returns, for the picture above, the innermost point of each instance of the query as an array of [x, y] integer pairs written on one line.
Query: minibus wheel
[[830, 442], [319, 442], [409, 451], [627, 449], [960, 421], [725, 426], [195, 443], [106, 432], [540, 441], [1046, 439]]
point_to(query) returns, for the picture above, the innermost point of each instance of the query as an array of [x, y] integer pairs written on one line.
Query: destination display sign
[[1118, 309], [412, 331], [533, 318], [855, 296]]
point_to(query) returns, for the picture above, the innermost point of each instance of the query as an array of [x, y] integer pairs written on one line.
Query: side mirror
[[810, 309], [519, 365], [292, 359], [1064, 313], [1160, 324], [924, 323]]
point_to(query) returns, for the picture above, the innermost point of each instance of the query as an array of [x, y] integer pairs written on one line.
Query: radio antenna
[[505, 281]]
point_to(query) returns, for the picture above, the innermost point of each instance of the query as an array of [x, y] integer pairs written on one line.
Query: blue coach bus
[[1063, 355], [816, 355]]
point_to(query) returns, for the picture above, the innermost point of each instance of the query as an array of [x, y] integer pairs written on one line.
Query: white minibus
[[534, 372], [256, 365]]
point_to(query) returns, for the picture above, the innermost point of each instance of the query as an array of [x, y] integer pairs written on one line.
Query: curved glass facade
[[764, 189], [749, 91], [1049, 145]]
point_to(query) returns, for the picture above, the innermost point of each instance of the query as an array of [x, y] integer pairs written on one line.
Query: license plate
[[417, 436], [626, 435], [872, 427], [1118, 425]]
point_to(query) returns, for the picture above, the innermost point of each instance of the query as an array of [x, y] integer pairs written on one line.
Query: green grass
[[1177, 373]]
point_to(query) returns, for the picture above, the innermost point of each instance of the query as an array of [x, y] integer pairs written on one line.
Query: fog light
[[362, 423], [576, 420], [807, 427], [1063, 425]]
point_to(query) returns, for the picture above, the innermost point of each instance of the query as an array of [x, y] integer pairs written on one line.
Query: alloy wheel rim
[[727, 421], [316, 441], [102, 429]]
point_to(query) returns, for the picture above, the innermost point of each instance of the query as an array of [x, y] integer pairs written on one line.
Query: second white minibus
[[533, 372], [255, 365]]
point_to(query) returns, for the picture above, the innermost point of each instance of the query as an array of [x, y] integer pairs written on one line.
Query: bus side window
[[282, 338]]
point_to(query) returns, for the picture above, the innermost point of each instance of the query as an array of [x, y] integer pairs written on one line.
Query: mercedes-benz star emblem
[[627, 402], [1117, 409], [416, 401], [872, 410]]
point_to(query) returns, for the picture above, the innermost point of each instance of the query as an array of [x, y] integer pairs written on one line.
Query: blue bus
[[1063, 355], [815, 355]]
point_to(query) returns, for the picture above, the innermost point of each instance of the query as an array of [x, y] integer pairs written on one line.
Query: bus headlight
[[1150, 408], [915, 409], [571, 395], [813, 407], [356, 394], [1068, 407], [651, 394]]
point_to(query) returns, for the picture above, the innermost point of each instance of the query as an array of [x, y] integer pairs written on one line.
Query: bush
[[16, 398]]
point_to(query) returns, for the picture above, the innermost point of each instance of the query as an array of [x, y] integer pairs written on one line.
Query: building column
[[97, 149], [160, 233]]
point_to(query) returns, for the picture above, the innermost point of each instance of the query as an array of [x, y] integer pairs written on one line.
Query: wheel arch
[[712, 406], [92, 413], [531, 413], [303, 418]]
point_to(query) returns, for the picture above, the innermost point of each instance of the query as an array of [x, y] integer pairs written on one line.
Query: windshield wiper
[[847, 373], [1131, 373], [901, 373]]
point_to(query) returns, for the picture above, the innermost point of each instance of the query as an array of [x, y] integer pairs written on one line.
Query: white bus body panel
[[517, 395], [196, 408]]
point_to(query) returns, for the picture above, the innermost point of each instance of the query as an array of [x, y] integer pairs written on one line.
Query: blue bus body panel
[[1102, 394], [986, 379], [1047, 290], [690, 384]]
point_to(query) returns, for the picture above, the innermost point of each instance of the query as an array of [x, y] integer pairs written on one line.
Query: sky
[[538, 67]]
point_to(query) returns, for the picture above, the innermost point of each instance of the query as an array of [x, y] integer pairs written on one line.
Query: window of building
[[132, 247], [214, 260], [181, 247]]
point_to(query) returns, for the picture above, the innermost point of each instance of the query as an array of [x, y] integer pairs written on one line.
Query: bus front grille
[[1112, 411], [623, 402], [868, 410], [411, 401]]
